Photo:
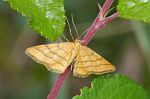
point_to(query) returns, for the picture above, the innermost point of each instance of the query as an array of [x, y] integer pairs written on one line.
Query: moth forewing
[[55, 57], [89, 62]]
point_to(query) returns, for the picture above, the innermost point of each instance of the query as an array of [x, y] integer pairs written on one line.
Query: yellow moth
[[57, 57]]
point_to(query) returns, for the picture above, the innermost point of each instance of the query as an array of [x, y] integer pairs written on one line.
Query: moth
[[57, 57]]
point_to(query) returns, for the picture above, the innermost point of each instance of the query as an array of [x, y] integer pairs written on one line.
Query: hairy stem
[[99, 22]]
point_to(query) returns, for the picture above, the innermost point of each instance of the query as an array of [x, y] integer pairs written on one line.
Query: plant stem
[[59, 83], [105, 8], [97, 25], [99, 22]]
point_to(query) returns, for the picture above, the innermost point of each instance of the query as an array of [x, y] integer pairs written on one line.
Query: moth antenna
[[70, 31], [65, 38], [74, 26]]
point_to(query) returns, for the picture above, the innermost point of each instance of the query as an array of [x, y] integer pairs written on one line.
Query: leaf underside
[[46, 16], [112, 87]]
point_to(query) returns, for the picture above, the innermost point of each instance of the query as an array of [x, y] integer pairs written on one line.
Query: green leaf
[[112, 87], [47, 16], [134, 9]]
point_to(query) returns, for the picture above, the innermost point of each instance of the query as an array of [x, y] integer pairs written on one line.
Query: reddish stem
[[95, 27], [112, 17], [105, 8], [59, 83], [99, 22]]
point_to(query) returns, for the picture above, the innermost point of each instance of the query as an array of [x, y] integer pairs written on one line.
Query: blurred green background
[[126, 43]]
